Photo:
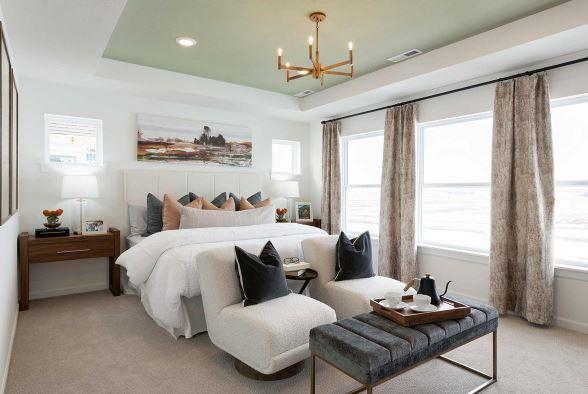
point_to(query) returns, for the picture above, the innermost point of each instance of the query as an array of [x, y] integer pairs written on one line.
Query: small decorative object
[[426, 286], [303, 211], [52, 218], [51, 232], [287, 190], [94, 227], [281, 215]]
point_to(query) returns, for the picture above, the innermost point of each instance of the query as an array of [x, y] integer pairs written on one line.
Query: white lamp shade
[[79, 186], [287, 189]]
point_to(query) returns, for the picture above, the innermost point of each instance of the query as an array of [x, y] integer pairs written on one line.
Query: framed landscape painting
[[191, 141]]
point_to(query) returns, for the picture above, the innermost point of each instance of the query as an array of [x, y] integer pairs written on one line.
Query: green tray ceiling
[[237, 39]]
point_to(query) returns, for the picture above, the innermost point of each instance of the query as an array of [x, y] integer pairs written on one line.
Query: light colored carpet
[[98, 343]]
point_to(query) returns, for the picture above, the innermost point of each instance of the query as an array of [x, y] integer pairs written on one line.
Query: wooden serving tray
[[448, 310]]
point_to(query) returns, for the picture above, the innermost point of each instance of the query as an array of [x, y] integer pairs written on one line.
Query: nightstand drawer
[[70, 248]]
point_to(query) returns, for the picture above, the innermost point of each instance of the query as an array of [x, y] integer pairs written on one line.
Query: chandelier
[[317, 71]]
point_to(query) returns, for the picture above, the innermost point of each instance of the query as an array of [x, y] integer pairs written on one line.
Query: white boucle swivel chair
[[269, 337], [347, 297]]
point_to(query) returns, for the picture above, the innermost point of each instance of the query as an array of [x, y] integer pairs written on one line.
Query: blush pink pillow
[[171, 212], [228, 205], [245, 205]]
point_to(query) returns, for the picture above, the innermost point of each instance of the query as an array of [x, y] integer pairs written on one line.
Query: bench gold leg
[[491, 379], [495, 355]]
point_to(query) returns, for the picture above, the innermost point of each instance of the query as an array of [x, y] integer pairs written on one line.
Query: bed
[[161, 269]]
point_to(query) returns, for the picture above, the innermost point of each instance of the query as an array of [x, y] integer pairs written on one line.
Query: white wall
[[8, 292], [40, 189], [470, 273]]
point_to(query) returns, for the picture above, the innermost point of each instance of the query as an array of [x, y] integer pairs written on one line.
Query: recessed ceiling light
[[186, 41]]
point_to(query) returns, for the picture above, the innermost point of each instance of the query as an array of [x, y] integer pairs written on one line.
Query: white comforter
[[163, 266]]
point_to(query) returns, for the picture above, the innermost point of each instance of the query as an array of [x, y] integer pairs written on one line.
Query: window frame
[[99, 145], [296, 156], [561, 102], [344, 173], [420, 184]]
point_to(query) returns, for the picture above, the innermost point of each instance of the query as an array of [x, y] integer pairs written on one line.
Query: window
[[285, 157], [362, 172], [454, 171], [570, 146], [73, 140]]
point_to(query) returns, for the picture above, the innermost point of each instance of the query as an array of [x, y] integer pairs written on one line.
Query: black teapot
[[427, 287]]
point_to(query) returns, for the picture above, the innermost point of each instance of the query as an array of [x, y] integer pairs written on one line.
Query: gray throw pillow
[[261, 278], [253, 199], [219, 200], [353, 258], [155, 211]]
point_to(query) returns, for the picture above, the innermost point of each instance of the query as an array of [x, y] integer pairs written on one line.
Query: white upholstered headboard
[[138, 183]]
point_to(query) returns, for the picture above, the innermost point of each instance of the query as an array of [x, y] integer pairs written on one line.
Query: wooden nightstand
[[42, 250], [314, 223]]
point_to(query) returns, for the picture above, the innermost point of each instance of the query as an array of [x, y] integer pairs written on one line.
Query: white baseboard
[[557, 321], [471, 297], [34, 295], [9, 353], [571, 324]]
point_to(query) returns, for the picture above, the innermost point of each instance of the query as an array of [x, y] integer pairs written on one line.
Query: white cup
[[393, 298], [421, 300]]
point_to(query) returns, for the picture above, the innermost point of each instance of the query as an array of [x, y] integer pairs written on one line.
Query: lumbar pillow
[[155, 212], [252, 199], [245, 204], [261, 278], [171, 212], [199, 218], [353, 257]]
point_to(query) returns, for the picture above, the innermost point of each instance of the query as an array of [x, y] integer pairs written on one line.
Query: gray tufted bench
[[372, 349]]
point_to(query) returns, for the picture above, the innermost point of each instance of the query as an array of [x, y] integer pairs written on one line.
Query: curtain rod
[[477, 85]]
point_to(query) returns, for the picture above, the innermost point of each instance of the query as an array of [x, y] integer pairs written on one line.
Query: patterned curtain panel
[[331, 202], [521, 261], [397, 252]]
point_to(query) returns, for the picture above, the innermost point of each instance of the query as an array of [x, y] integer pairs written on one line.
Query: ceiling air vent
[[304, 93], [405, 55]]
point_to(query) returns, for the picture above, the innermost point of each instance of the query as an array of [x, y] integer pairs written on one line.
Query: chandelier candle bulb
[[350, 45], [279, 58]]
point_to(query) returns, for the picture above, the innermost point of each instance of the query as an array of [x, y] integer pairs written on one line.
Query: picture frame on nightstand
[[92, 227], [304, 211]]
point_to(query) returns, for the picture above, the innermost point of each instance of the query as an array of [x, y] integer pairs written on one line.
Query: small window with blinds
[[73, 140]]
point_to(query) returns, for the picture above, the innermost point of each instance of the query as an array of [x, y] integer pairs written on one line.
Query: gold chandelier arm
[[289, 78], [297, 68], [338, 73], [332, 66]]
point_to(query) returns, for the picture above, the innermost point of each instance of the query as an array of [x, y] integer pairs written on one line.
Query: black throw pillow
[[220, 200], [260, 278], [155, 211], [353, 257], [253, 199]]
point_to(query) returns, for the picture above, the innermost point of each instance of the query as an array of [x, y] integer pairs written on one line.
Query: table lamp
[[287, 190], [79, 187]]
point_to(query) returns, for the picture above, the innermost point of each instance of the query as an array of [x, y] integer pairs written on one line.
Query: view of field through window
[[455, 188]]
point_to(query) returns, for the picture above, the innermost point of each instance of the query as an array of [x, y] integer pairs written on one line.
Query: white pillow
[[137, 219], [201, 218]]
